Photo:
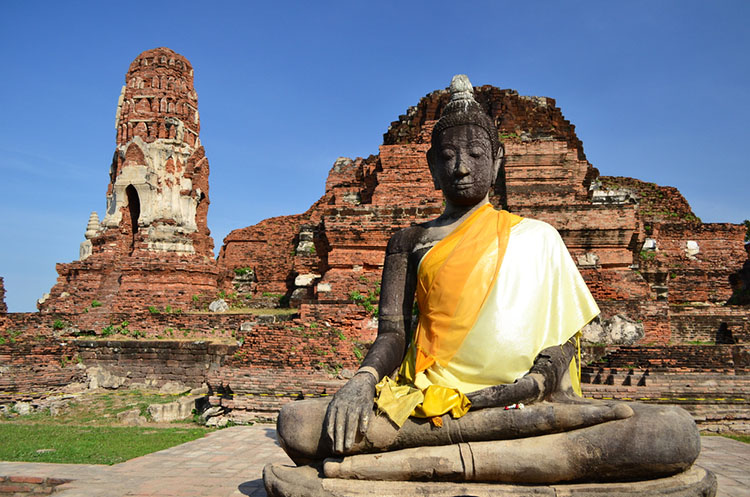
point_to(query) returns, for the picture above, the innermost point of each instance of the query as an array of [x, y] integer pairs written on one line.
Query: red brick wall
[[657, 203], [3, 307], [156, 361], [260, 392], [163, 325], [28, 485], [690, 323], [729, 359], [35, 365], [268, 247], [125, 284]]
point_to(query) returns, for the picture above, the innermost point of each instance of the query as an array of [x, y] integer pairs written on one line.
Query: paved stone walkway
[[229, 463]]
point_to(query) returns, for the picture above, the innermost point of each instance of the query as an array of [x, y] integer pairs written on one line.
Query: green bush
[[648, 255], [369, 301]]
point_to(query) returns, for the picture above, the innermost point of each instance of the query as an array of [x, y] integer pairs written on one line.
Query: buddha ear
[[499, 171], [432, 163], [499, 161]]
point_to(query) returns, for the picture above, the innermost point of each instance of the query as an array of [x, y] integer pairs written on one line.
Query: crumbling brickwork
[[283, 362], [709, 381], [3, 307], [153, 246], [267, 248], [639, 246], [155, 362], [603, 221], [257, 393], [33, 367], [18, 486]]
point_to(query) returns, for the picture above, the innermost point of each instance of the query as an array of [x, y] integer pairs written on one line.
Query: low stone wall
[[712, 382], [149, 325], [300, 346], [32, 369], [727, 359], [703, 322], [155, 362], [270, 364], [257, 394]]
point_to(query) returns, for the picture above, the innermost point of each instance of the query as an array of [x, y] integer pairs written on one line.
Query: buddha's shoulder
[[534, 228], [404, 240]]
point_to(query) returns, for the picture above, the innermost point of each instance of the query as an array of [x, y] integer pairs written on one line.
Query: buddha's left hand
[[525, 390], [548, 379]]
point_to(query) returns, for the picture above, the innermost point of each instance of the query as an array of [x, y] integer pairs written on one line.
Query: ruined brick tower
[[158, 194], [153, 246]]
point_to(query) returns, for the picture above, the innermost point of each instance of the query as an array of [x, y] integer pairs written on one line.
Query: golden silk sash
[[454, 279]]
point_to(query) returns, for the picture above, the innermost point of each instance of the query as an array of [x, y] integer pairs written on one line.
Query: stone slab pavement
[[229, 463]]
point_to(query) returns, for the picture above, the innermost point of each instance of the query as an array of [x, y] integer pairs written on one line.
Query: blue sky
[[657, 91]]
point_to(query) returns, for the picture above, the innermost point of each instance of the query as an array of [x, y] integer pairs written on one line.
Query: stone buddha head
[[466, 155]]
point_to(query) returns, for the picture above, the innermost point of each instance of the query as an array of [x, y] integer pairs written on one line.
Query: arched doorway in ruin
[[134, 209]]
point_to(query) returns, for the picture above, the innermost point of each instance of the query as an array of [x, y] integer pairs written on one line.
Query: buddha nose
[[461, 169]]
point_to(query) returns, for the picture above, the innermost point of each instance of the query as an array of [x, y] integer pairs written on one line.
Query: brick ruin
[[644, 254], [3, 307], [153, 246]]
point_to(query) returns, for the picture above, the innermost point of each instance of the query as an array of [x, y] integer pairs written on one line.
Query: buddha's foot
[[308, 481]]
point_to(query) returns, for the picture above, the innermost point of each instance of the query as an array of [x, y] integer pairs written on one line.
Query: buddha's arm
[[546, 380], [350, 410]]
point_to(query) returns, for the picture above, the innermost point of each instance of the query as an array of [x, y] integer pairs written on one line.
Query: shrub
[[647, 255], [369, 301]]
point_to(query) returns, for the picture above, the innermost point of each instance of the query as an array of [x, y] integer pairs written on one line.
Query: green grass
[[87, 444], [740, 438]]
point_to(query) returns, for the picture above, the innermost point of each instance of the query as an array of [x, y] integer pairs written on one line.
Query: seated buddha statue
[[487, 386]]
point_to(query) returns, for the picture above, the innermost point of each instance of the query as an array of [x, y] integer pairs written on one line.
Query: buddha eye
[[447, 154], [476, 152]]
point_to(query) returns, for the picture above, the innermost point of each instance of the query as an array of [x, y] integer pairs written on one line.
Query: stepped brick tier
[[331, 256], [711, 382], [153, 246]]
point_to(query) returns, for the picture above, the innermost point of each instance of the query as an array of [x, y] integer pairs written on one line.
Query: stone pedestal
[[307, 481]]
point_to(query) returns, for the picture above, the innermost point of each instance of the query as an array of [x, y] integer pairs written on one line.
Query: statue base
[[307, 481]]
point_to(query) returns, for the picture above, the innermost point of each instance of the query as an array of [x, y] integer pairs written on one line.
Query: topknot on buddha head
[[464, 109]]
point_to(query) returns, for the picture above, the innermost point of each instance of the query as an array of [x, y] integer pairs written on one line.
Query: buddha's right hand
[[350, 411]]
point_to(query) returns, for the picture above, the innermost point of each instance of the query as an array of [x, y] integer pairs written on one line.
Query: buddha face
[[462, 165]]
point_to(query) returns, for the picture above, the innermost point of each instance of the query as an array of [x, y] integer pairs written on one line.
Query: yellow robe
[[535, 299]]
